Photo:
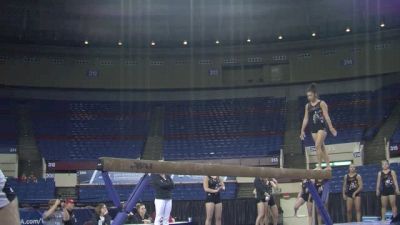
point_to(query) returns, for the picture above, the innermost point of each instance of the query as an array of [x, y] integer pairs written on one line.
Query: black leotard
[[387, 184], [316, 118], [319, 185], [304, 190], [213, 183], [263, 187], [352, 185]]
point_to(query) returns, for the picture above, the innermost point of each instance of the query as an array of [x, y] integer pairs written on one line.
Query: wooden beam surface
[[190, 168]]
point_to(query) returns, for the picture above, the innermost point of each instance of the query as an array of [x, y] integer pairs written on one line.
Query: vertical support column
[[319, 203], [112, 193], [120, 218]]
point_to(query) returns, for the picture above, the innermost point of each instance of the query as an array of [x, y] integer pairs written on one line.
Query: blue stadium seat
[[231, 128], [78, 130]]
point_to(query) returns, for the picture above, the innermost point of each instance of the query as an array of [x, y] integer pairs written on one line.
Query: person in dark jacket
[[140, 216], [101, 216], [163, 186]]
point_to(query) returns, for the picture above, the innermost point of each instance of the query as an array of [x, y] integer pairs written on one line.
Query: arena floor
[[365, 223]]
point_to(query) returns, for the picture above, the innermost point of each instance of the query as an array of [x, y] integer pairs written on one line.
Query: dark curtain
[[244, 211], [235, 211], [370, 206]]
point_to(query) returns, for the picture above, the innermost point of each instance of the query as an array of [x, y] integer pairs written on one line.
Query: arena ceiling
[[168, 23]]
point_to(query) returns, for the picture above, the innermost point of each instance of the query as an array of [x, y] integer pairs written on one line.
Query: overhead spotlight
[[314, 34], [382, 25], [217, 42], [348, 30], [248, 40], [184, 42], [152, 43], [119, 43], [86, 42], [280, 37]]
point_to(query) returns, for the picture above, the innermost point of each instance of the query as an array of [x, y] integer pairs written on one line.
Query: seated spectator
[[23, 178], [141, 216], [68, 214], [101, 215], [32, 178], [54, 215]]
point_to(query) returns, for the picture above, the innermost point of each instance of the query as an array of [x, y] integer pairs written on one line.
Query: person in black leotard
[[316, 116], [387, 188], [265, 200], [352, 187], [213, 185], [304, 197], [319, 185]]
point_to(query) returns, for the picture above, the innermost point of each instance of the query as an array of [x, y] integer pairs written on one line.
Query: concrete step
[[374, 150]]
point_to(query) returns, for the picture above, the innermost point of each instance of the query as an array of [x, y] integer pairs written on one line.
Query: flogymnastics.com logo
[[32, 221]]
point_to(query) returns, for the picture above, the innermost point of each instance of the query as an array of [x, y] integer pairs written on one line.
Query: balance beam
[[189, 168]]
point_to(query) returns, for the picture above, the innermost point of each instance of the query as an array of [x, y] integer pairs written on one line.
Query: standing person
[[68, 214], [101, 216], [387, 188], [304, 197], [352, 187], [213, 185], [163, 186], [9, 213], [265, 200], [316, 116], [54, 215]]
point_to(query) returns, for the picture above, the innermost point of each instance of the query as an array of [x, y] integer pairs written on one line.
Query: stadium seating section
[[204, 129], [97, 193], [358, 115], [67, 130], [224, 128], [34, 192], [8, 128]]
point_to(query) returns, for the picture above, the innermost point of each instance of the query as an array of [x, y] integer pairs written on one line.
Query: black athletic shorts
[[350, 194], [271, 201], [317, 127], [305, 196], [388, 191], [213, 198]]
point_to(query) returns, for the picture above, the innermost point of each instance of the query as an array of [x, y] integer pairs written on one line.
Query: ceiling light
[[86, 42], [280, 37], [348, 29], [119, 43], [382, 25], [152, 43], [314, 34], [184, 42], [217, 42], [248, 40]]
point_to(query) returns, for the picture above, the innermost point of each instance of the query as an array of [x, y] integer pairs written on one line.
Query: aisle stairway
[[292, 148], [154, 142], [30, 160], [374, 150]]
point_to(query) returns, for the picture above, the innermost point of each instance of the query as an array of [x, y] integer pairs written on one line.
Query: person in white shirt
[[9, 213]]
